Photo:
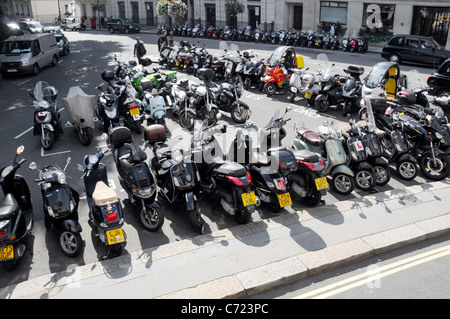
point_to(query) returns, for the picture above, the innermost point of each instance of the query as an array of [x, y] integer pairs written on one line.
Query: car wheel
[[36, 69], [55, 60], [394, 58]]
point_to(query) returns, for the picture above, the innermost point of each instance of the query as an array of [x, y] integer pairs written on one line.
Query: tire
[[243, 216], [212, 116], [187, 120], [47, 139], [270, 88], [70, 243], [150, 218], [10, 265], [434, 171], [55, 60], [85, 135], [196, 221], [312, 199], [322, 105], [362, 113], [239, 113], [292, 97], [406, 170], [394, 58], [364, 180], [382, 175], [36, 69], [343, 184]]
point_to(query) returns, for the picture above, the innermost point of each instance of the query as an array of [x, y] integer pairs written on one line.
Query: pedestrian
[[139, 50], [333, 29], [162, 40]]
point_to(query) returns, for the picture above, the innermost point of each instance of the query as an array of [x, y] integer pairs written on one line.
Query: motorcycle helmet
[[132, 63], [246, 54], [406, 97], [107, 75]]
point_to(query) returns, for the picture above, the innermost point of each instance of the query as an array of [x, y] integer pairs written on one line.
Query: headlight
[[146, 192], [111, 114], [177, 156], [61, 178]]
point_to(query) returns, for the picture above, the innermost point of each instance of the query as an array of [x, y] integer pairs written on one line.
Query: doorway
[[210, 14], [135, 12], [149, 13], [298, 17], [254, 16]]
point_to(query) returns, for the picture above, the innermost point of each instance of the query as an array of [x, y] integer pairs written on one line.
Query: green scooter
[[327, 142]]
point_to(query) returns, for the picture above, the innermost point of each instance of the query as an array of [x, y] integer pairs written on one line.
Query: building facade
[[430, 18]]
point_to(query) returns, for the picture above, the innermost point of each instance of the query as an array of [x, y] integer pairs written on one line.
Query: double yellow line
[[374, 274]]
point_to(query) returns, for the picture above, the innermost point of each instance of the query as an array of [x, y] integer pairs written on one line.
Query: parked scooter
[[295, 84], [60, 205], [176, 174], [327, 142], [106, 109], [351, 89], [229, 182], [331, 90], [105, 208], [16, 213], [47, 122], [80, 108], [135, 178]]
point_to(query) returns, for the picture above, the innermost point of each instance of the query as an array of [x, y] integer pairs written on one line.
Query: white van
[[72, 24], [28, 53]]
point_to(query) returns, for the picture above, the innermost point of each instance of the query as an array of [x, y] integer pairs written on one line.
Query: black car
[[122, 25], [439, 82], [403, 48]]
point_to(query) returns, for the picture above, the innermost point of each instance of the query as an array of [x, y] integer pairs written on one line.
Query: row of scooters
[[309, 39]]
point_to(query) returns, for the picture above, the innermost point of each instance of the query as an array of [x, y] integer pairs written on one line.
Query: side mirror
[[104, 136], [32, 166], [80, 168], [69, 159], [20, 149]]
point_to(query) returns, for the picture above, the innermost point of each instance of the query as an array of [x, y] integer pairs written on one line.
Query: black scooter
[[60, 202], [176, 174], [135, 177], [229, 182], [16, 213], [105, 208]]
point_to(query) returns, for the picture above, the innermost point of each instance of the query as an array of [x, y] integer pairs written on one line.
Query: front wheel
[[187, 120], [196, 221], [364, 180], [47, 139], [150, 218], [343, 184], [85, 135], [322, 105], [270, 88], [70, 243], [435, 169], [239, 113]]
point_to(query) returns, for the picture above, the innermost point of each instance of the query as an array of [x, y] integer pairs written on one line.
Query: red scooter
[[275, 79]]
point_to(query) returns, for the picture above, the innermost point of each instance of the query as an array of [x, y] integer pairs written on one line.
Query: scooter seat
[[8, 207], [306, 156], [231, 168], [312, 138], [103, 194]]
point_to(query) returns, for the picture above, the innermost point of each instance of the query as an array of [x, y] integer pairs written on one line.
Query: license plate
[[321, 183], [248, 198], [178, 63], [317, 43], [284, 199], [308, 95], [115, 236], [11, 70], [7, 252], [134, 111]]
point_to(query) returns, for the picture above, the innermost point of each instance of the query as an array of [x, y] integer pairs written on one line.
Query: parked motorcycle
[[106, 109], [229, 182], [327, 142], [16, 213], [330, 92], [176, 175], [80, 108], [135, 178], [105, 208], [47, 121], [60, 205], [351, 89]]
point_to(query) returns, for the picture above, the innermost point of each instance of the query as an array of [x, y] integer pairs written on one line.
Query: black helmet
[[406, 97], [245, 54]]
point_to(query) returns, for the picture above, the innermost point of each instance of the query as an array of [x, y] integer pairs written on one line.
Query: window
[[378, 16], [398, 42], [333, 12], [412, 43]]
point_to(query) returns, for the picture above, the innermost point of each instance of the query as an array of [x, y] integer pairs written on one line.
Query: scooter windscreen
[[184, 175]]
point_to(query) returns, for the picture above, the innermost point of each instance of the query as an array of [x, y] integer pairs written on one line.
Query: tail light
[[133, 107], [3, 232], [235, 180], [249, 177], [112, 216], [312, 166]]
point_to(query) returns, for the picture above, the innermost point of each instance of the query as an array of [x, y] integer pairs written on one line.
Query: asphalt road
[[92, 53]]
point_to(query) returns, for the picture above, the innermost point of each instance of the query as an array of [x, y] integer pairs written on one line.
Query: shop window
[[431, 21], [333, 12]]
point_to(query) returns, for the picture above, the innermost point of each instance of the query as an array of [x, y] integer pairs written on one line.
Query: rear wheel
[[85, 135], [196, 221], [364, 180], [406, 170], [313, 199], [382, 175]]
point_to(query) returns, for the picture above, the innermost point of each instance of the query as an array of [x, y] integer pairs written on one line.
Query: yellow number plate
[[308, 95], [248, 198], [284, 199], [321, 183], [134, 111], [7, 252], [115, 236], [178, 63]]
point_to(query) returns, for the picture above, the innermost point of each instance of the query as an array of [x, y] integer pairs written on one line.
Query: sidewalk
[[249, 259]]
